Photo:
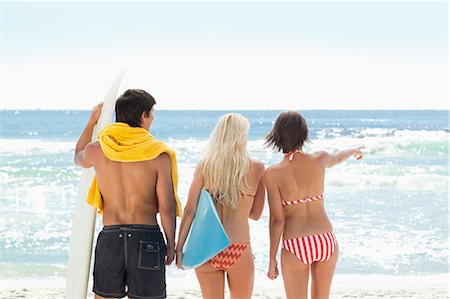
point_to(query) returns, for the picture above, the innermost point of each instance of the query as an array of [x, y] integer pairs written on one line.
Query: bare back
[[301, 178], [235, 221], [128, 189]]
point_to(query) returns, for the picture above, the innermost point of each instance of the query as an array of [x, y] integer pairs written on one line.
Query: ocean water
[[389, 211]]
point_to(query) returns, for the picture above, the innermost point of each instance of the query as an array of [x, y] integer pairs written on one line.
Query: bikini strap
[[291, 154]]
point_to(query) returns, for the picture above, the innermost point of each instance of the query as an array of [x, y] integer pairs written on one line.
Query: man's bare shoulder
[[89, 155], [94, 150], [163, 160], [93, 146]]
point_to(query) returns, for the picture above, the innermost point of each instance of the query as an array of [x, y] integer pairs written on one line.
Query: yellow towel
[[122, 143]]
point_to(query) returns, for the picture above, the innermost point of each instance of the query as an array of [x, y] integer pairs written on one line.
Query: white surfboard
[[83, 226]]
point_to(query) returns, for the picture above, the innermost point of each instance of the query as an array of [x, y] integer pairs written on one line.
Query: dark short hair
[[289, 133], [131, 104]]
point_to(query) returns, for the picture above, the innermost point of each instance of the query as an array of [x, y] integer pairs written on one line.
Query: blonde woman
[[294, 187], [236, 184]]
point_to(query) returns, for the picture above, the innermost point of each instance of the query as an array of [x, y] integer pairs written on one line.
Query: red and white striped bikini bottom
[[310, 249]]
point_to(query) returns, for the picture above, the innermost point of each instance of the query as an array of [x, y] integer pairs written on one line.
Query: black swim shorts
[[129, 261]]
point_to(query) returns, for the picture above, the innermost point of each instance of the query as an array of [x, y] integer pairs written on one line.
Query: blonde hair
[[226, 160]]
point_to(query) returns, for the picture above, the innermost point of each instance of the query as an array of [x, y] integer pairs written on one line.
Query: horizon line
[[212, 110]]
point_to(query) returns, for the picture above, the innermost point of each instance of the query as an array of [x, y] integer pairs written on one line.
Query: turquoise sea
[[389, 211]]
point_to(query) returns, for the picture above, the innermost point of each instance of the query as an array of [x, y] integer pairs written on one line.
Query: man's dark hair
[[131, 104], [289, 133]]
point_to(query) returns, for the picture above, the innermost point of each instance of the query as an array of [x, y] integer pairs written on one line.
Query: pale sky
[[227, 55]]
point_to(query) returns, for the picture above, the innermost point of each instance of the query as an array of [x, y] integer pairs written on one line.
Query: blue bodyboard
[[206, 237]]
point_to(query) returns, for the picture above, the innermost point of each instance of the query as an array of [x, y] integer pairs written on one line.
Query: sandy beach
[[344, 286]]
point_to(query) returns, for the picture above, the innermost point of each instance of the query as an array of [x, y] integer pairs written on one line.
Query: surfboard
[[83, 224], [206, 237]]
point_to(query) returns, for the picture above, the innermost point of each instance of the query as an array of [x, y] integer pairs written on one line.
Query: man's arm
[[166, 204], [83, 156]]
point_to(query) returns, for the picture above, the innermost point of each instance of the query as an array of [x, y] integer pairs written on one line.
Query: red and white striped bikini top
[[285, 203]]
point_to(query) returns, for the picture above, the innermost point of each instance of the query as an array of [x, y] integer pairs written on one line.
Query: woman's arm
[[276, 225], [333, 159], [258, 202], [189, 212]]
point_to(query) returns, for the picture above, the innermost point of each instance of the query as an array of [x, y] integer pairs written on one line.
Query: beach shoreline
[[344, 286], [403, 232]]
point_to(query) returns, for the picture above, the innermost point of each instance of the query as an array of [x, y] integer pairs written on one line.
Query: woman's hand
[[357, 153], [273, 269], [179, 255]]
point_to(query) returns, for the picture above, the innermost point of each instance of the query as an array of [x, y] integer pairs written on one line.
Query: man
[[136, 178]]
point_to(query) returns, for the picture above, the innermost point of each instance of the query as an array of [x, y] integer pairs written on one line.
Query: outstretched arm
[[166, 204], [189, 212], [276, 225], [333, 159], [83, 156]]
